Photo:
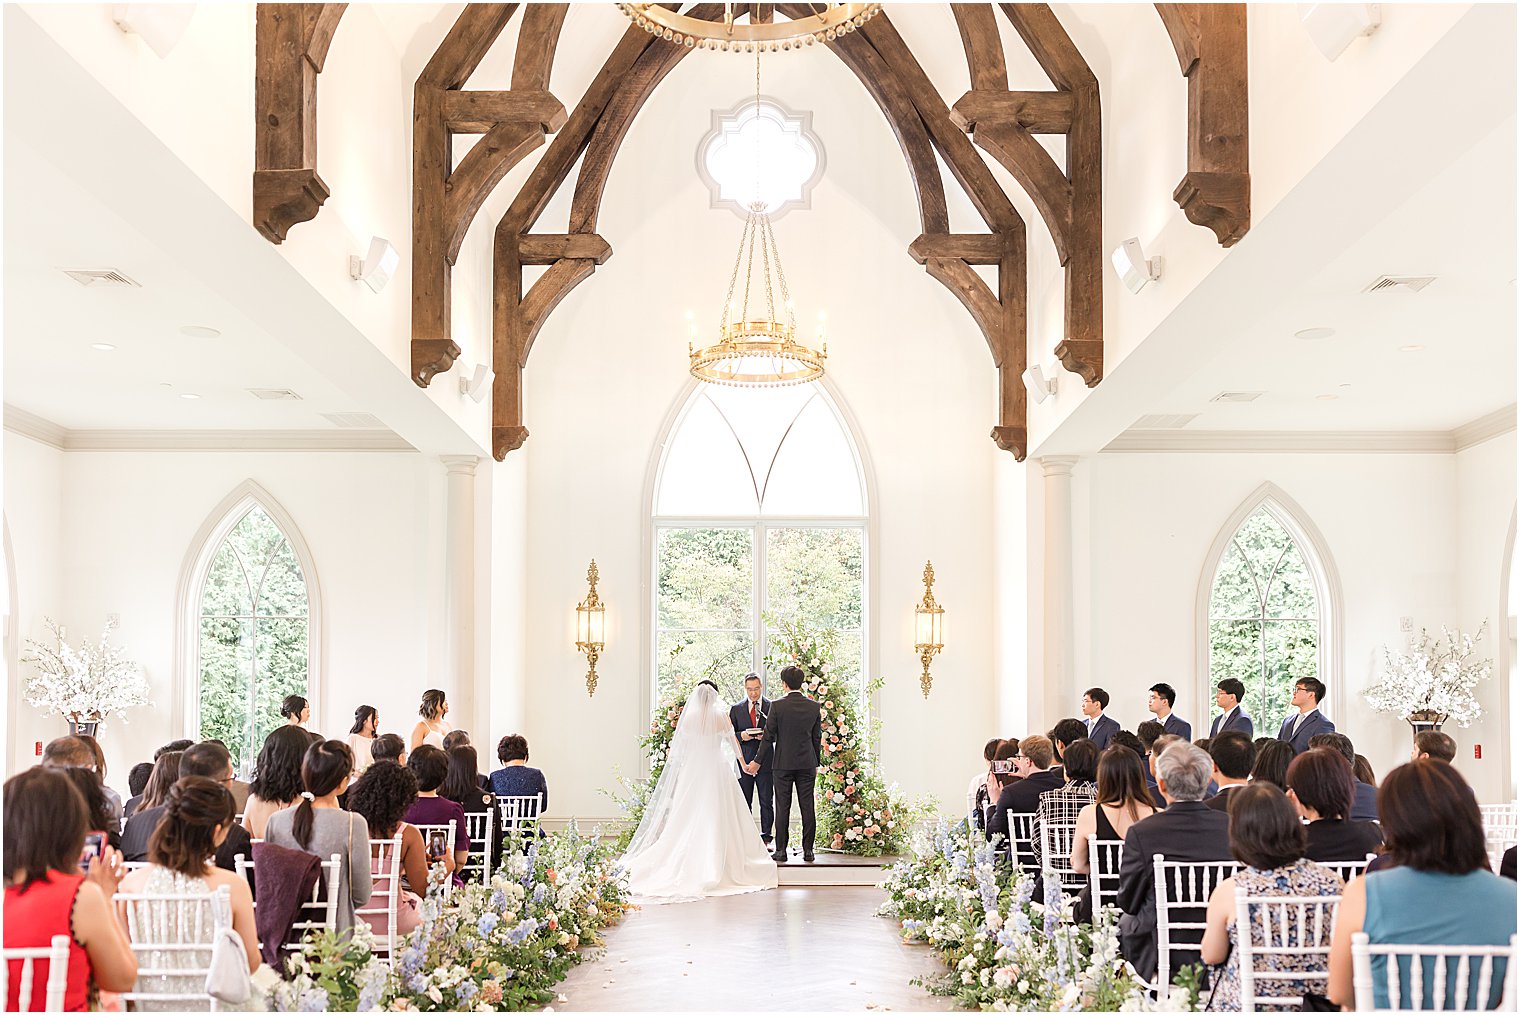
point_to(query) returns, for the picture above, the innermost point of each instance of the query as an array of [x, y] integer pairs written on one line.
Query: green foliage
[[254, 636], [1263, 619]]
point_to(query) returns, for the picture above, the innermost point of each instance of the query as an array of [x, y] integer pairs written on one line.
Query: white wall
[[108, 532], [1393, 524]]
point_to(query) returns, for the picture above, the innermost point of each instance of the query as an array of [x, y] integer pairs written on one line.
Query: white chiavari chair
[[519, 816], [1103, 859], [380, 913], [481, 828], [318, 913], [172, 939], [1349, 870], [1276, 935], [1182, 899], [429, 835], [56, 955], [1456, 985], [1501, 827], [1021, 841], [1055, 861]]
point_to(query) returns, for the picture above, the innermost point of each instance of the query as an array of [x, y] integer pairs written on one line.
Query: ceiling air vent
[[1399, 283], [275, 394], [1237, 396], [354, 420], [1171, 421], [105, 278]]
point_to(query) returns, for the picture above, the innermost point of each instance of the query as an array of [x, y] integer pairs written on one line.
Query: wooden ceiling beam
[[546, 248], [977, 24], [1035, 112], [973, 248], [1211, 46], [291, 43], [478, 112]]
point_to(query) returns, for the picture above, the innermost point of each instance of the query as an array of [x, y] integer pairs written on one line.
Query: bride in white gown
[[697, 838]]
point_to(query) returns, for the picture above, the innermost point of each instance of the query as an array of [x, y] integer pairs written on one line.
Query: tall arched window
[[1268, 609], [250, 598], [759, 513]]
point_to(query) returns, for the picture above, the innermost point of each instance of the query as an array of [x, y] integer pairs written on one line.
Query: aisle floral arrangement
[[498, 946], [1432, 679], [1006, 952]]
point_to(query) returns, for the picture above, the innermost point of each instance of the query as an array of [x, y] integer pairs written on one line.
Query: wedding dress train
[[697, 837]]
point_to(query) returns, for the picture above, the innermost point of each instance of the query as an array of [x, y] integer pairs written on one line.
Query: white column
[[459, 588], [1060, 636]]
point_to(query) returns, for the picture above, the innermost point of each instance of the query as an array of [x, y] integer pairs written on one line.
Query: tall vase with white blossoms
[[1433, 682], [84, 684]]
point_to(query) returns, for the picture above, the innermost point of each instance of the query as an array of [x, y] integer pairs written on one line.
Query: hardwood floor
[[791, 949]]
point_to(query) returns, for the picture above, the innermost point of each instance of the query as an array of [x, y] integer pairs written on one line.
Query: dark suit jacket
[[1313, 725], [1238, 721], [142, 825], [1103, 731], [1021, 797], [1331, 840], [1220, 801], [794, 731], [1364, 806], [739, 716], [1178, 727], [1187, 830]]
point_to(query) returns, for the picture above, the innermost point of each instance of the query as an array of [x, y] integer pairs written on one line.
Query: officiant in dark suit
[[794, 732], [750, 714]]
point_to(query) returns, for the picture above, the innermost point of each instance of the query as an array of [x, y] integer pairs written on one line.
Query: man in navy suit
[[747, 715], [1310, 721], [1232, 716], [1364, 802], [1100, 728], [1163, 697]]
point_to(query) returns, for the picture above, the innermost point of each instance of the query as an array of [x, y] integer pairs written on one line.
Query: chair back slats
[[519, 815], [481, 828], [1182, 898], [385, 871], [172, 939], [1501, 828], [1103, 859], [318, 913], [56, 955], [1055, 860], [1453, 970], [1021, 841], [1274, 933], [1349, 870]]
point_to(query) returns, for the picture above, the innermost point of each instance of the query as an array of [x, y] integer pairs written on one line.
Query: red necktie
[[752, 715]]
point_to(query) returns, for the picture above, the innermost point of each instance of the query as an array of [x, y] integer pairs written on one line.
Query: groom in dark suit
[[794, 731], [751, 714]]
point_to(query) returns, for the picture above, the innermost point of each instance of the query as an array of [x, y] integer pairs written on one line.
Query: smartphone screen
[[94, 848], [437, 843]]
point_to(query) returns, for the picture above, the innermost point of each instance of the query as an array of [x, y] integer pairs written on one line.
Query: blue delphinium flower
[[539, 891], [411, 960], [487, 923], [312, 999], [417, 984], [466, 990], [498, 900]]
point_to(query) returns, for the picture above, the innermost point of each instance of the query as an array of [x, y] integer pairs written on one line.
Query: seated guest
[[1148, 732], [1440, 893], [197, 817], [209, 760], [1261, 742], [1364, 807], [462, 786], [46, 895], [1363, 773], [1124, 738], [1131, 740], [237, 787], [515, 777], [978, 787], [68, 752], [1022, 796], [1228, 695], [461, 738], [93, 793], [113, 799], [383, 795], [276, 777], [1065, 733], [1162, 699], [1297, 730], [318, 825], [173, 745], [1268, 839], [431, 766], [1272, 760], [1507, 864], [1100, 728], [140, 826], [1062, 805], [1233, 755], [1186, 830], [137, 781], [1319, 784], [389, 747], [1435, 745], [1122, 799], [1204, 743]]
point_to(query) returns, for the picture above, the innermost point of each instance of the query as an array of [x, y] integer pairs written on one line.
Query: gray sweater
[[332, 831]]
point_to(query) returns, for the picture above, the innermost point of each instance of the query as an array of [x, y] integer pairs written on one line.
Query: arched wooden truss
[[515, 122]]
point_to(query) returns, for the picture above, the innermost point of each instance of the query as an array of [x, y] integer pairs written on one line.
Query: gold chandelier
[[693, 33]]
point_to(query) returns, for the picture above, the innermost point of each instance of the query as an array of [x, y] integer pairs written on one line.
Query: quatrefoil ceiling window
[[770, 155]]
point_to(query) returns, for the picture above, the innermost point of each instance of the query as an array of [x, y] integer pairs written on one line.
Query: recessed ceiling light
[[102, 346], [197, 331], [1411, 348], [1310, 334], [188, 394], [1327, 398]]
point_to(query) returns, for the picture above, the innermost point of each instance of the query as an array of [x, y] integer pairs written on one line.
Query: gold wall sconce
[[929, 627], [591, 627]]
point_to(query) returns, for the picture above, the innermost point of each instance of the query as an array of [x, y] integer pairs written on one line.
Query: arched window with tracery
[[251, 594], [759, 513], [1268, 611]]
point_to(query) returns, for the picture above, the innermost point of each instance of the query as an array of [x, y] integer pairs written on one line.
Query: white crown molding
[[1392, 442], [1484, 428], [27, 424]]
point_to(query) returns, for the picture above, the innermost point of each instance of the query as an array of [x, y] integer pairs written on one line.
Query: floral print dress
[[1303, 878]]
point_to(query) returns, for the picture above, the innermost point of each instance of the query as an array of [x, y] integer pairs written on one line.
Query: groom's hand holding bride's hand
[[752, 768]]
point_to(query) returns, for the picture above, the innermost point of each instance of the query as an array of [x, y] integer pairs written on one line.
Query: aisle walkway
[[792, 949]]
